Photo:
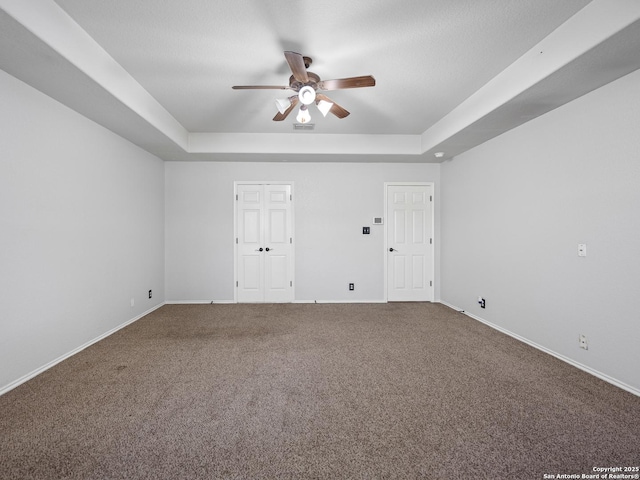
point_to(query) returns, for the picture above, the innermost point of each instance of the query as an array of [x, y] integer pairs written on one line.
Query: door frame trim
[[433, 235], [235, 232]]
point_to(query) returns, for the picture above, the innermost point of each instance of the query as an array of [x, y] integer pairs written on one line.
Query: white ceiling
[[450, 74]]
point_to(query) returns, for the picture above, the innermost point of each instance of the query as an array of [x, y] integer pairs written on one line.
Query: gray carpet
[[314, 391]]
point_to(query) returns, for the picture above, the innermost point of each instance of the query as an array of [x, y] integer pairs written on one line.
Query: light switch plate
[[582, 249]]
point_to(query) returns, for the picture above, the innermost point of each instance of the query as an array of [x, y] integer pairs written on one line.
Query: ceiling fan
[[307, 84]]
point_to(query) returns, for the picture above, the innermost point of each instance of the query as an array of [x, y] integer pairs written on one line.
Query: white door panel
[[250, 269], [278, 246], [251, 226], [277, 225], [417, 268], [399, 269], [250, 272], [409, 243], [277, 285]]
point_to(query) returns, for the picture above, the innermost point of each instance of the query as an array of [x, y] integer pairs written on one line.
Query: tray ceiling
[[449, 74]]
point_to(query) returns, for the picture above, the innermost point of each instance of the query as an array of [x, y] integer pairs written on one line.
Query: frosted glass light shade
[[303, 115], [307, 95], [324, 107], [283, 104]]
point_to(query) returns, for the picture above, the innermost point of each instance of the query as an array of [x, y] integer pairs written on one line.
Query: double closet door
[[264, 243]]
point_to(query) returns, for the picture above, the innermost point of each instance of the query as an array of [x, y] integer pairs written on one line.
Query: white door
[[264, 238], [409, 243]]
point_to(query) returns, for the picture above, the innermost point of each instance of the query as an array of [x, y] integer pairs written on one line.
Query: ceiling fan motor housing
[[295, 85]]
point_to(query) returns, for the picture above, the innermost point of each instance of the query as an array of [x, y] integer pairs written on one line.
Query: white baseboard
[[52, 363], [570, 361], [198, 302], [339, 301], [225, 302]]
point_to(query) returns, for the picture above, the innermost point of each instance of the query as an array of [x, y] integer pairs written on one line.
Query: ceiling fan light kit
[[306, 84]]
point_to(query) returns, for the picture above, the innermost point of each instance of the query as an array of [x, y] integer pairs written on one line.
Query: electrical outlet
[[482, 302], [351, 286], [582, 340], [133, 302], [150, 293]]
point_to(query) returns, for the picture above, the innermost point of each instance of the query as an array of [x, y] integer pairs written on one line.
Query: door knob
[[392, 250], [259, 250], [267, 249]]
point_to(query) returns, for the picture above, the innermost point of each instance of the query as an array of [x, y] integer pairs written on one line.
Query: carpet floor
[[296, 391]]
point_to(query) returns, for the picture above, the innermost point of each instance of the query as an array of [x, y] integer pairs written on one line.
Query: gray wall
[[332, 202], [90, 221], [81, 232], [515, 208]]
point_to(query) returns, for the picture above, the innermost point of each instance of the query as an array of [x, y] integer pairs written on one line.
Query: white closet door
[[278, 241], [264, 261], [250, 238], [409, 243]]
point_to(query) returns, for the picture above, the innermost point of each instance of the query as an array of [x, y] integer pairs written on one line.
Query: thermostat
[[378, 220]]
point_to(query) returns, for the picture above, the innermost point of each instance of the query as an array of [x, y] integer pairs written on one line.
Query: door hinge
[[236, 283], [431, 198], [290, 197], [431, 241], [290, 240], [236, 196], [431, 283], [236, 240], [291, 283]]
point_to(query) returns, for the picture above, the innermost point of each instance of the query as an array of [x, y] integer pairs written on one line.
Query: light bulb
[[303, 115]]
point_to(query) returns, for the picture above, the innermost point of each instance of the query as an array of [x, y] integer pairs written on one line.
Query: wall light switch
[[582, 249], [366, 230]]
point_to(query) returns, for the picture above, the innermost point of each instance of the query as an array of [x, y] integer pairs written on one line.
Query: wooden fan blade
[[296, 63], [336, 109], [351, 82], [260, 87], [281, 116]]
